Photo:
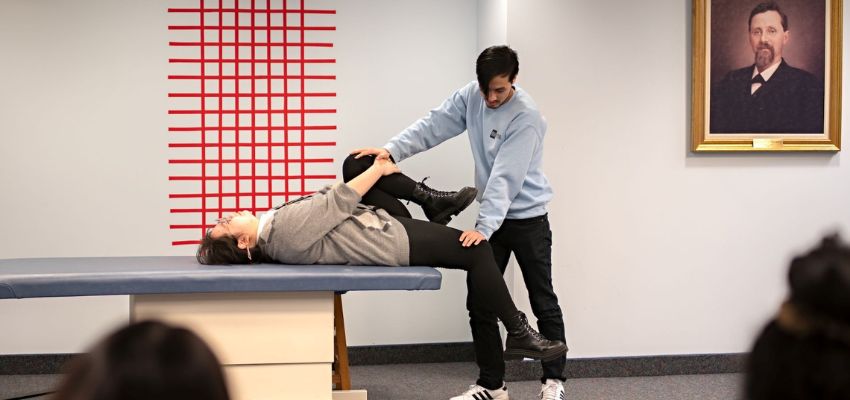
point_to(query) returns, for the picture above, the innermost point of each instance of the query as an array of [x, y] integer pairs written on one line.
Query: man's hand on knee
[[470, 238], [371, 151]]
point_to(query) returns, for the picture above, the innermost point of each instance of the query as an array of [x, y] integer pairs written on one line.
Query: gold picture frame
[[716, 47]]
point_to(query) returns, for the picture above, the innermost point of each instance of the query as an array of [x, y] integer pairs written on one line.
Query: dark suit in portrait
[[791, 101]]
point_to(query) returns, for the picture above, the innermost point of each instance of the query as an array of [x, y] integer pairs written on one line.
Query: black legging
[[384, 193], [435, 244]]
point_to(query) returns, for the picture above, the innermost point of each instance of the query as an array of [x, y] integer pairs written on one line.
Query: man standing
[[506, 133], [769, 96]]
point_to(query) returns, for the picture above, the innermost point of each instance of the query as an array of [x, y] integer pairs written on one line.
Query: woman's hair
[[496, 61], [804, 353], [144, 361], [225, 250]]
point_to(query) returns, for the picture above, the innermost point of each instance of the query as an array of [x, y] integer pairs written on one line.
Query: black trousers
[[438, 245], [530, 240]]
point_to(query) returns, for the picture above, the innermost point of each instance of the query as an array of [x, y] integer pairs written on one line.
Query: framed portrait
[[766, 75]]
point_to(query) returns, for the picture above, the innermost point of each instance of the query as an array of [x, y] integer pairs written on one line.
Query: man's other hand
[[471, 237]]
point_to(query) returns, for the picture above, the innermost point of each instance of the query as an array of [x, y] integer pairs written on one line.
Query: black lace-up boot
[[440, 206], [524, 341]]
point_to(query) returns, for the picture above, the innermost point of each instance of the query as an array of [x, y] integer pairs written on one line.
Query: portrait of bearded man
[[770, 95]]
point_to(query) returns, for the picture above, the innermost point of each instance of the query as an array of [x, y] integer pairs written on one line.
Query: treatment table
[[271, 325]]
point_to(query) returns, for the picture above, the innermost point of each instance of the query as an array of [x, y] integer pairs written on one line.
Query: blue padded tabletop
[[102, 276]]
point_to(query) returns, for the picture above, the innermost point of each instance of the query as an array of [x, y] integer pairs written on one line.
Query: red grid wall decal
[[252, 115]]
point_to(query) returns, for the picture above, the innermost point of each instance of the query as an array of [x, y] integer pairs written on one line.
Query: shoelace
[[434, 192], [537, 335], [422, 182], [550, 392]]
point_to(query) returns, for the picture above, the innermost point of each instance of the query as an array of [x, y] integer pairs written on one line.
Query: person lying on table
[[333, 227]]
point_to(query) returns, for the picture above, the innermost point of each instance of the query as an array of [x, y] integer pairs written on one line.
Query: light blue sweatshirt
[[507, 145]]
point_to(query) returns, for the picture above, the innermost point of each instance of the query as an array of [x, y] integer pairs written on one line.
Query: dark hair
[[496, 61], [765, 7], [143, 361], [804, 353], [225, 250], [820, 279]]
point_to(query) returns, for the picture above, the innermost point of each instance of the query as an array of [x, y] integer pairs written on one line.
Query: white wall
[[84, 170], [657, 250], [492, 23]]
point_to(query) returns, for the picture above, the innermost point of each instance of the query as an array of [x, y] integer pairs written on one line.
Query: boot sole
[[445, 216], [544, 356]]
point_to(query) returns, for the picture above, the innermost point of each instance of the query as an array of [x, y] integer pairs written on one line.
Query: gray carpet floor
[[443, 380]]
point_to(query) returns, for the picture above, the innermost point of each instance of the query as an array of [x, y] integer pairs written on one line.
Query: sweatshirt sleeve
[[306, 222], [506, 179], [442, 123]]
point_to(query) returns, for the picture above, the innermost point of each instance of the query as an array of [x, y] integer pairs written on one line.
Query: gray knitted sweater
[[332, 227]]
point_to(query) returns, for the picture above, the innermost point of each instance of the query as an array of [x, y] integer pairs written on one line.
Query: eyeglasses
[[224, 222]]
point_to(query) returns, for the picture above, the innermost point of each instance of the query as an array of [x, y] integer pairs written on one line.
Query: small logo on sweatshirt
[[495, 134]]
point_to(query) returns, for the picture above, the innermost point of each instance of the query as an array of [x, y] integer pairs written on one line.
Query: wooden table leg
[[341, 377]]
